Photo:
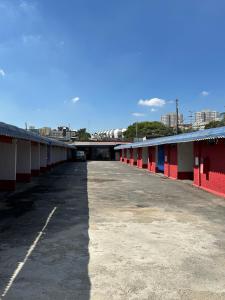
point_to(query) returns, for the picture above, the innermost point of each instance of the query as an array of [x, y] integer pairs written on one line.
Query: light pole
[[177, 117]]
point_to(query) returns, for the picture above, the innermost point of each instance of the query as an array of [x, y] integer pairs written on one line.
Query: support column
[[139, 160], [131, 156], [43, 157], [121, 154], [35, 159], [23, 164], [49, 157], [117, 156], [8, 149], [125, 155], [122, 157]]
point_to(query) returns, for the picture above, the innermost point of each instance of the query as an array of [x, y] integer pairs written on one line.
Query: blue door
[[161, 158]]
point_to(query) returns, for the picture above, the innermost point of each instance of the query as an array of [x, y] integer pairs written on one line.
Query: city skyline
[[107, 65]]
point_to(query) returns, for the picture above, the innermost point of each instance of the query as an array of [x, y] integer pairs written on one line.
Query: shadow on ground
[[58, 267]]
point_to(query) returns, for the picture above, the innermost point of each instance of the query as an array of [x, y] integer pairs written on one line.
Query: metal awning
[[214, 133], [19, 133]]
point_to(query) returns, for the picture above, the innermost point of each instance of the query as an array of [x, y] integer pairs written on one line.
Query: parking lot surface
[[105, 230]]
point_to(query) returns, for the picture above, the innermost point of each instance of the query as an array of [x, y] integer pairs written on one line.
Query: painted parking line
[[29, 252]]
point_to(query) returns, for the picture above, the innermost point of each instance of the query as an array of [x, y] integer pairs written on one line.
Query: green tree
[[214, 124], [83, 135], [149, 129]]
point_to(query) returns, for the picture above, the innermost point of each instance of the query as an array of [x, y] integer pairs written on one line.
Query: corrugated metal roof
[[214, 133], [19, 133]]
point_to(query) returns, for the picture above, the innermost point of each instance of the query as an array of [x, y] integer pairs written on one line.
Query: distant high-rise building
[[170, 119], [206, 116], [45, 131]]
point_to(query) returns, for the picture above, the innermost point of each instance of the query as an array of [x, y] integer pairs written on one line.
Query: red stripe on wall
[[6, 139], [35, 173], [25, 177], [7, 185]]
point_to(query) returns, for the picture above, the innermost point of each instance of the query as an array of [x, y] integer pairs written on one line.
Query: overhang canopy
[[214, 133], [19, 133]]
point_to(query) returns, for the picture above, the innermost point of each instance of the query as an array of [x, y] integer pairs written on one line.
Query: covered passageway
[[197, 156], [24, 154]]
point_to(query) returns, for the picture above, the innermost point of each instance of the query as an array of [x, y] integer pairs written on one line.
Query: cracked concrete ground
[[118, 233]]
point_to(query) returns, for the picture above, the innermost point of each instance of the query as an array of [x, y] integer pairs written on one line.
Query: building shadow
[[58, 266]]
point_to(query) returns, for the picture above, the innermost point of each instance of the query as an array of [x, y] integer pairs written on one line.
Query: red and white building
[[24, 154], [198, 156]]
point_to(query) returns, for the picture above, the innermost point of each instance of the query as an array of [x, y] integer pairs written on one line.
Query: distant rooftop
[[88, 143]]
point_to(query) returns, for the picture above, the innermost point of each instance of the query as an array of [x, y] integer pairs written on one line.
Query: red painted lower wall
[[121, 155], [210, 173], [185, 175], [35, 173], [125, 156], [23, 177], [131, 157], [171, 165], [152, 159], [139, 160], [43, 169], [6, 139], [7, 185]]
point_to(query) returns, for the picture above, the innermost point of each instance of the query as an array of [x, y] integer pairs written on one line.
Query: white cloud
[[205, 93], [152, 102], [153, 109], [75, 99], [136, 114], [27, 6], [30, 39], [2, 73]]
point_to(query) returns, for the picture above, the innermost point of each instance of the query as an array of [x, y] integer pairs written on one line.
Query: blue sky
[[105, 64]]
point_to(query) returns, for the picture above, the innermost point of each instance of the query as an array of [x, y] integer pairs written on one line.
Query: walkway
[[107, 231]]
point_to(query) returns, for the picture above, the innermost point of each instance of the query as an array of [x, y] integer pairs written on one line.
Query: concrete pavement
[[117, 232]]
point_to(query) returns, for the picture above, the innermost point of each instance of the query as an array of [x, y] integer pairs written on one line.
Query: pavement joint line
[[29, 252]]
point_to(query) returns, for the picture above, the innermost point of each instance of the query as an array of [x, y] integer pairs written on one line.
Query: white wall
[[35, 156], [8, 160], [23, 164], [43, 155], [185, 157], [145, 155]]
